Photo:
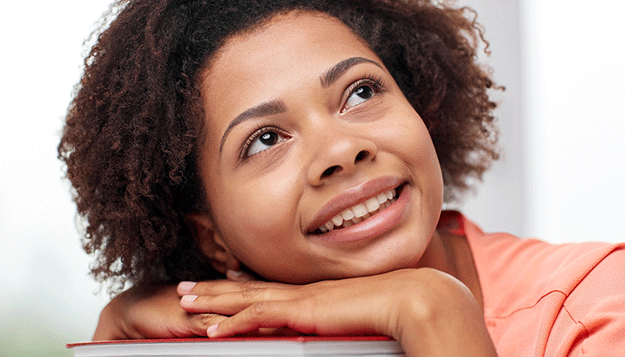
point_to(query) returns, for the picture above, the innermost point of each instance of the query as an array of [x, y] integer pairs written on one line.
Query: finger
[[239, 276], [274, 314], [210, 287], [199, 323], [233, 302], [216, 287], [298, 315], [185, 287]]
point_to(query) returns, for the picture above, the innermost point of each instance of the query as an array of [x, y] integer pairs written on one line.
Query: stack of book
[[311, 346]]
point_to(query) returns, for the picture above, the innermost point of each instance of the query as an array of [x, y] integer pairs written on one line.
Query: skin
[[336, 141], [263, 206]]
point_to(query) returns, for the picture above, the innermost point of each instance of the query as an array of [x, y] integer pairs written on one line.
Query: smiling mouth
[[360, 212]]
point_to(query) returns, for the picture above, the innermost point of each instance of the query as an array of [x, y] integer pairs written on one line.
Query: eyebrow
[[264, 109], [276, 106], [334, 73]]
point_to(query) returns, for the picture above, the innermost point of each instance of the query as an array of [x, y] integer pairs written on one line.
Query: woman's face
[[315, 165]]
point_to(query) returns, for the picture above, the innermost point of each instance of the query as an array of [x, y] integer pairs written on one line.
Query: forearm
[[107, 328], [471, 340]]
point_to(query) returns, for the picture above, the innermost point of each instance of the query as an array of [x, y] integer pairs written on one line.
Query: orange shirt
[[548, 300]]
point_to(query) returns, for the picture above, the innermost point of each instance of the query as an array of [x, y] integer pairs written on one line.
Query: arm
[[154, 312], [149, 312], [430, 313]]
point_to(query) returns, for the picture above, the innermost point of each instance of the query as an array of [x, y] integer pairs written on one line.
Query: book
[[311, 346]]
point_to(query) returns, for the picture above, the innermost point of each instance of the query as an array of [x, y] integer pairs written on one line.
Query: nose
[[339, 154]]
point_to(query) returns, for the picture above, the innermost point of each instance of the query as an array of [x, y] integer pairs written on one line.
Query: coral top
[[548, 300]]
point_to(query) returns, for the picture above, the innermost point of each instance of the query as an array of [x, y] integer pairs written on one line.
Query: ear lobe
[[209, 241]]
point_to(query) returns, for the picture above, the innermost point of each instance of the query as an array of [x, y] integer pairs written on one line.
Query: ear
[[210, 243]]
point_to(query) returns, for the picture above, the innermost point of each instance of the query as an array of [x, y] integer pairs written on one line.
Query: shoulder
[[551, 300], [517, 272], [597, 307], [520, 272]]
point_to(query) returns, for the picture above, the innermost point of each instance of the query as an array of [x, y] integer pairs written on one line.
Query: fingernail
[[233, 274], [210, 331], [185, 287], [188, 298]]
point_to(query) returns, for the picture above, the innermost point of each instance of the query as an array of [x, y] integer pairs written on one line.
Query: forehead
[[282, 35], [278, 54]]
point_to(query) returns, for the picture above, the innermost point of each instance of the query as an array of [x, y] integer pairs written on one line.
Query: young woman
[[304, 149]]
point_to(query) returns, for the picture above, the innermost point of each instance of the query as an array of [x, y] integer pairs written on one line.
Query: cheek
[[408, 138], [259, 213]]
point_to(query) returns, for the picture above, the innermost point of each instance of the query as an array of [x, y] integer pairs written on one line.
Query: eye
[[262, 140], [363, 90], [360, 95]]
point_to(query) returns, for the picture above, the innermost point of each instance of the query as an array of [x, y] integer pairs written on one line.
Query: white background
[[560, 178]]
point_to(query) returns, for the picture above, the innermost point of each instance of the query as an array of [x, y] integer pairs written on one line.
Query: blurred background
[[560, 177]]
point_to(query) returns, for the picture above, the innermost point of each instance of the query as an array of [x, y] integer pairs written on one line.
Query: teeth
[[359, 212], [347, 214], [372, 204]]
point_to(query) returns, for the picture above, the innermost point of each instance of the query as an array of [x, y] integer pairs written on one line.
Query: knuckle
[[251, 284], [259, 309], [248, 293], [205, 319], [256, 291]]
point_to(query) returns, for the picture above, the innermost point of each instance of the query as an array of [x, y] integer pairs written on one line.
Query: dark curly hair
[[134, 126]]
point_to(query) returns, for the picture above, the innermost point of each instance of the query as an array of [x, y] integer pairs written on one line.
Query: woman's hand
[[154, 312], [149, 312], [429, 312]]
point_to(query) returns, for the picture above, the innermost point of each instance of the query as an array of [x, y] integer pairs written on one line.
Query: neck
[[451, 254]]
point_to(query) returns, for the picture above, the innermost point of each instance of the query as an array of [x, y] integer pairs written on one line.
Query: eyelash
[[376, 82], [256, 133]]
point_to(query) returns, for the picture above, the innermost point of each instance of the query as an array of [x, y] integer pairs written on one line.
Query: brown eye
[[264, 141], [360, 95]]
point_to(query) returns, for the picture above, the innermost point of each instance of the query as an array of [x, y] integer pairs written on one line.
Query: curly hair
[[133, 129]]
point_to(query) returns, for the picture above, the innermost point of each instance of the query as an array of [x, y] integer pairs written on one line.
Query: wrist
[[440, 317]]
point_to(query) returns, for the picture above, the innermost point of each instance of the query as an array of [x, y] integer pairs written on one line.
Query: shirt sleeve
[[592, 320]]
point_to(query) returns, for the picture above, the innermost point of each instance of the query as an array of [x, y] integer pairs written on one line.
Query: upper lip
[[352, 197]]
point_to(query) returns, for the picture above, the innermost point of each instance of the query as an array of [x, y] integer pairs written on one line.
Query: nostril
[[329, 171], [362, 156]]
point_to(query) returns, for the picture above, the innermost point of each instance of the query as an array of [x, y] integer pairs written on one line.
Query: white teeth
[[347, 214], [372, 204], [359, 212]]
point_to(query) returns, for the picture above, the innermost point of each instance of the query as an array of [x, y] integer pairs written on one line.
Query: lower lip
[[376, 225]]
